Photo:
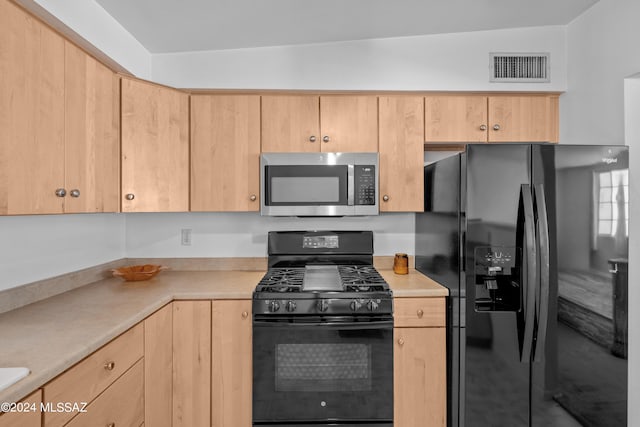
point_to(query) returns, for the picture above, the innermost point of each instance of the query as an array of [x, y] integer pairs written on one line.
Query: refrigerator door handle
[[529, 270], [542, 230]]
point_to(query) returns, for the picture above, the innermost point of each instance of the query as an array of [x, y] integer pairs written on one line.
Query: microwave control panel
[[365, 184]]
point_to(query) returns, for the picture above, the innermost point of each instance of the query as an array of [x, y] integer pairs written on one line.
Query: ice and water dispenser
[[497, 278]]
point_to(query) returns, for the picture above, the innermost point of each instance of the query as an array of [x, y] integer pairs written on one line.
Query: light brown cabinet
[[311, 123], [158, 368], [231, 371], [401, 131], [191, 364], [155, 148], [225, 152], [420, 383], [499, 118], [30, 418]]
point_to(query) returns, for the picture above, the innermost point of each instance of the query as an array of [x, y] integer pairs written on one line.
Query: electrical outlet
[[185, 237]]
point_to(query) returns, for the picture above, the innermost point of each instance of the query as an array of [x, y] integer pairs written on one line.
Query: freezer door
[[580, 368], [494, 376]]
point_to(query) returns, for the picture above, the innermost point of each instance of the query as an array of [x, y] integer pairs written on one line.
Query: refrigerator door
[[495, 366], [579, 372]]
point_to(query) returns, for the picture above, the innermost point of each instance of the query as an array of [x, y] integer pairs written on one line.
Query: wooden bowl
[[136, 273]]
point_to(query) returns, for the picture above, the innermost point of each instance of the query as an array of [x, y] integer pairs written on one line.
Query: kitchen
[[59, 243]]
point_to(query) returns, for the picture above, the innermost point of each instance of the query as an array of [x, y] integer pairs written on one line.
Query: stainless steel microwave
[[318, 184]]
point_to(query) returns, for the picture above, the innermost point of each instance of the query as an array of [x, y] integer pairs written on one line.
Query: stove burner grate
[[282, 280]]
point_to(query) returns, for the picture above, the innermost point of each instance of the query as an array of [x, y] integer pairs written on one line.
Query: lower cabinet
[[23, 418], [420, 383], [158, 368]]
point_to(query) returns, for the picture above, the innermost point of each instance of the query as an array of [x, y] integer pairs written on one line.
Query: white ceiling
[[190, 25]]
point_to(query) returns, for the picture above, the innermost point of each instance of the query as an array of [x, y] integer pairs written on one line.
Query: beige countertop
[[52, 335]]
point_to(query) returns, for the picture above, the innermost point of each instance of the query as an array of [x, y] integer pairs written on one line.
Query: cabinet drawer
[[24, 419], [121, 404], [419, 312], [86, 380]]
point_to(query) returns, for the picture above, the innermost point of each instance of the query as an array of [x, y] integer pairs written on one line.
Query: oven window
[[323, 367], [305, 189]]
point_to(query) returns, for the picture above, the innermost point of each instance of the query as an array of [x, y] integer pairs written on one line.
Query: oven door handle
[[382, 324]]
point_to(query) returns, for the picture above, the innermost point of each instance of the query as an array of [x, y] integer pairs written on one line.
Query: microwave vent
[[519, 67]]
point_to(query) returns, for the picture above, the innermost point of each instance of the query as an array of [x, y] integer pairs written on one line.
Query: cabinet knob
[[325, 138], [420, 313], [253, 197], [385, 198], [111, 425], [245, 314], [312, 138], [74, 193], [400, 341], [496, 127], [61, 192], [130, 196], [109, 366], [483, 127]]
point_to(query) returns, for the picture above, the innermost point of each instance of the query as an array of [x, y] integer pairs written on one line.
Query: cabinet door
[[31, 418], [401, 154], [455, 118], [232, 364], [290, 123], [155, 148], [92, 154], [31, 114], [349, 123], [225, 152], [158, 367], [420, 383], [191, 363], [523, 119]]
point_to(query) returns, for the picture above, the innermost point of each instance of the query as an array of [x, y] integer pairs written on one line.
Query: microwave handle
[[350, 185]]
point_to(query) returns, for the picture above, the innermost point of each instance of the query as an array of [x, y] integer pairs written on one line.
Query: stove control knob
[[355, 305], [372, 305], [323, 305], [274, 306], [291, 306]]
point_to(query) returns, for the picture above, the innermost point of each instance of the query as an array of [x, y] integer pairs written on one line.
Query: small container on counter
[[401, 264]]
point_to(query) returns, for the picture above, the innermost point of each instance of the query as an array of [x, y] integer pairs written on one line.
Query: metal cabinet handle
[[496, 127], [253, 197], [245, 314], [400, 341], [74, 193], [483, 127], [325, 138], [61, 192], [130, 196], [312, 138], [420, 313], [109, 366], [385, 198]]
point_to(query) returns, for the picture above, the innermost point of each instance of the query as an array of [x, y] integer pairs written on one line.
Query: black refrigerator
[[532, 241]]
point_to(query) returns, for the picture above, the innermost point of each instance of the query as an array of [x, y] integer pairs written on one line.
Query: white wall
[[92, 22], [434, 62], [38, 247], [603, 50], [245, 234]]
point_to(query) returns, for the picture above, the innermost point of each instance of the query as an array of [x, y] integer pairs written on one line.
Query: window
[[613, 209]]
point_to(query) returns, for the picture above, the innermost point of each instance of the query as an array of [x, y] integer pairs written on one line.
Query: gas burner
[[364, 278], [282, 280]]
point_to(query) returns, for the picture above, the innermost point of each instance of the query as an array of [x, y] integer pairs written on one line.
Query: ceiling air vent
[[519, 67]]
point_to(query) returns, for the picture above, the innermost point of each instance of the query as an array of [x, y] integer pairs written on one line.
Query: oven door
[[325, 371]]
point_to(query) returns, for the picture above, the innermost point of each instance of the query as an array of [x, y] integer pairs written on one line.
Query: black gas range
[[322, 333]]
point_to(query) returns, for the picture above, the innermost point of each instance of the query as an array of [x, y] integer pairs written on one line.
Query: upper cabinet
[[92, 124], [401, 153], [499, 118], [59, 146], [31, 115], [225, 152], [155, 148], [310, 123]]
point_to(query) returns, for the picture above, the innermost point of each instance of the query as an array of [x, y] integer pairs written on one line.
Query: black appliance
[[523, 236], [322, 333]]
